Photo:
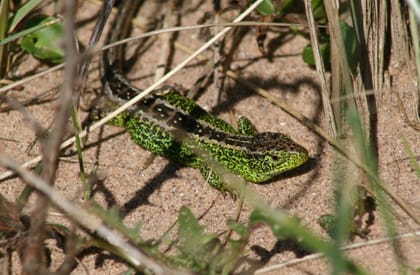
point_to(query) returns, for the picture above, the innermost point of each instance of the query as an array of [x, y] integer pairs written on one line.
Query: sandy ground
[[153, 194]]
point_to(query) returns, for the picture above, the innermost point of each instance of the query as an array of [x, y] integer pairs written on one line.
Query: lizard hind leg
[[216, 181], [245, 127]]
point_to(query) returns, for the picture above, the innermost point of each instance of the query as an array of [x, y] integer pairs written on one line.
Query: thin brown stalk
[[95, 50], [319, 63], [94, 38], [171, 18], [154, 85], [87, 220], [34, 257]]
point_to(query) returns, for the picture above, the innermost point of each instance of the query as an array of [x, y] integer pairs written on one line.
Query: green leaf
[[327, 222], [200, 252], [351, 48], [318, 11], [289, 227], [350, 43], [308, 55], [24, 32], [44, 44], [191, 233], [285, 5], [266, 7], [411, 155], [238, 228], [22, 12], [278, 230], [114, 213]]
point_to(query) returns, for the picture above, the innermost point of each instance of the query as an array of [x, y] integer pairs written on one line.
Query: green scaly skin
[[169, 124]]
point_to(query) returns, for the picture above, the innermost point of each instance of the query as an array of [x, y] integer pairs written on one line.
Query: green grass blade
[[4, 30], [23, 12], [411, 155], [26, 32]]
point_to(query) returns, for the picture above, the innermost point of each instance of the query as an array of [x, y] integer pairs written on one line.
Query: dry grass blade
[[171, 17], [34, 257], [325, 90], [30, 78], [181, 65], [133, 205], [345, 248], [318, 130], [95, 50], [86, 219], [414, 5], [147, 90]]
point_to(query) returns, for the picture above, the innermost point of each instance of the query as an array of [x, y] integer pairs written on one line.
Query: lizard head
[[273, 154]]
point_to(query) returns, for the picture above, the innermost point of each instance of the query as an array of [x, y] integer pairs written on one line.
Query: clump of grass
[[195, 250]]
